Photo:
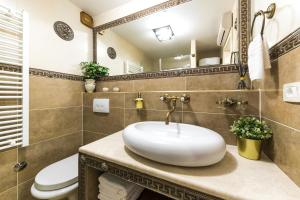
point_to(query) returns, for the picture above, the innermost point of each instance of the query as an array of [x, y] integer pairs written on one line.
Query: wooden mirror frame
[[244, 37]]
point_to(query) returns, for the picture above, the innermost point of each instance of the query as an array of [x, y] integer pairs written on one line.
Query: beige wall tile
[[125, 86], [116, 100], [283, 148], [106, 123], [8, 177], [213, 82], [273, 107], [44, 153], [89, 137], [217, 122], [10, 194], [205, 101], [160, 84], [24, 190], [133, 115], [51, 93], [152, 100], [284, 70], [50, 123]]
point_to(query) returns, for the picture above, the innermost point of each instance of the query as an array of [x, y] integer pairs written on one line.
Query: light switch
[[291, 92], [101, 105]]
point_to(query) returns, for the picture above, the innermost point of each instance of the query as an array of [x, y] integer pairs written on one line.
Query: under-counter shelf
[[233, 178]]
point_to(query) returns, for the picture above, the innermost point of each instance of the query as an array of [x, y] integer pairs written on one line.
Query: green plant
[[251, 128], [93, 70]]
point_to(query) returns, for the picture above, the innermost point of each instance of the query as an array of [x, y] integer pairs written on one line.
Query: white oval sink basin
[[175, 144]]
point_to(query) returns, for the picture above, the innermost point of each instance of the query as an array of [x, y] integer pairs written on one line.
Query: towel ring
[[269, 14]]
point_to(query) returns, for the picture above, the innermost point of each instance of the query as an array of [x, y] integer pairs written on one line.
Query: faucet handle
[[185, 98], [164, 97]]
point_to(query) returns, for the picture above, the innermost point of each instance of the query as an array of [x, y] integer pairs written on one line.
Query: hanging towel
[[258, 58]]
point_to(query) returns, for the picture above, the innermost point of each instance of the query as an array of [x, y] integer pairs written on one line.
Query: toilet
[[58, 180]]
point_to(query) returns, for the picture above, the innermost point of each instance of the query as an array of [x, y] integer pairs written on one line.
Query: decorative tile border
[[244, 29], [155, 184], [41, 72], [219, 69], [287, 44], [52, 74], [140, 14], [12, 68]]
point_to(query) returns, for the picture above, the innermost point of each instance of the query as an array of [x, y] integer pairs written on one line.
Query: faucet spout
[[169, 113]]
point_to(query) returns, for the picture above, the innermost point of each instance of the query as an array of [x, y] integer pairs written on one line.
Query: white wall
[[125, 51], [47, 50], [285, 20], [124, 10]]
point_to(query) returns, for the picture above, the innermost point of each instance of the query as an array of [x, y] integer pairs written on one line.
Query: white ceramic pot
[[90, 85]]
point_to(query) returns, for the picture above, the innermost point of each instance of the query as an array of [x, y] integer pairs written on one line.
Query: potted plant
[[91, 72], [250, 133]]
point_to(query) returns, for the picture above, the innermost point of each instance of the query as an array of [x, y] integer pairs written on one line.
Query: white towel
[[115, 183], [108, 189], [114, 188], [258, 58], [112, 196]]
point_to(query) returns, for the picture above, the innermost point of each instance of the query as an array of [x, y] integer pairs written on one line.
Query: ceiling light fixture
[[164, 33]]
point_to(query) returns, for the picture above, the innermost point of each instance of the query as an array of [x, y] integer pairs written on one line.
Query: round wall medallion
[[63, 30], [111, 52]]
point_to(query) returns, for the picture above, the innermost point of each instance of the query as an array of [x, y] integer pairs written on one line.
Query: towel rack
[[269, 13], [14, 84]]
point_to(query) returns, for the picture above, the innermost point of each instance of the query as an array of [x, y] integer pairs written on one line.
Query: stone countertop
[[233, 178]]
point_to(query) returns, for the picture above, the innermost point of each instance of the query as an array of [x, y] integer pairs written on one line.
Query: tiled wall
[[202, 110], [284, 117], [55, 133], [227, 81]]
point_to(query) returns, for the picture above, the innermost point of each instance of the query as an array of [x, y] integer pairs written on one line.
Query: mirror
[[197, 33]]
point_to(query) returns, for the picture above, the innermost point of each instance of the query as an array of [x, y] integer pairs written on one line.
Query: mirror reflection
[[194, 34]]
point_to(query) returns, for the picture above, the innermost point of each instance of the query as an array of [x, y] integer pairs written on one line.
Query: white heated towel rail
[[132, 68], [14, 84]]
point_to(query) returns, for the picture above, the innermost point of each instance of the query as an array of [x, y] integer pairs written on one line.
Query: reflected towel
[[258, 58]]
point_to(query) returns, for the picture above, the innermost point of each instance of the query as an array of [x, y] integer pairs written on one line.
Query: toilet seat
[[54, 194], [58, 175], [56, 180]]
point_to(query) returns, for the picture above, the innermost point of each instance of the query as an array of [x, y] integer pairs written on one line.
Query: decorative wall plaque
[[86, 19], [63, 30], [111, 52]]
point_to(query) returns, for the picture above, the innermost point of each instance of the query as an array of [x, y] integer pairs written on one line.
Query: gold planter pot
[[249, 148]]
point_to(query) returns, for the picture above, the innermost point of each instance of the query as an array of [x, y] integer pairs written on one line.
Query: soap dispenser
[[139, 102]]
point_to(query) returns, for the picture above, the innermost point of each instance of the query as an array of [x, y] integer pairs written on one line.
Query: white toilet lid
[[58, 175]]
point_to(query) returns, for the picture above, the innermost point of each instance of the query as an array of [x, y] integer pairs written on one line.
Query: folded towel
[[116, 184], [121, 193], [112, 196], [258, 58]]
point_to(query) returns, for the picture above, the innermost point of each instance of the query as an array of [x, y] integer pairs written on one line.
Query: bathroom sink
[[175, 144]]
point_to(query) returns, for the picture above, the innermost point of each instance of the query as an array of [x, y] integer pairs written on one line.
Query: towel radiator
[[14, 78]]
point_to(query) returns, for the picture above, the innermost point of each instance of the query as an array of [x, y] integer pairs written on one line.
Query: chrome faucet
[[167, 99]]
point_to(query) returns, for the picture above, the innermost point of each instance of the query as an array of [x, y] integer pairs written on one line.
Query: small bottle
[[139, 102]]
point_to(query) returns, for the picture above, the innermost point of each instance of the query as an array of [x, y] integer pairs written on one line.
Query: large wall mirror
[[193, 34]]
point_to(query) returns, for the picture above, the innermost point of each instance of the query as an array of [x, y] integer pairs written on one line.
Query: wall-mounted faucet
[[172, 99], [228, 102]]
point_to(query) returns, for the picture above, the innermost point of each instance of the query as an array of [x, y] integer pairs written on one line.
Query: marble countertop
[[233, 178]]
